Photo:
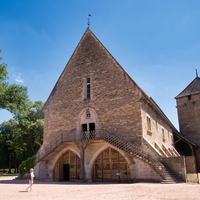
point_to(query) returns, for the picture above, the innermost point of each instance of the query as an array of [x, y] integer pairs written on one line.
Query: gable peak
[[192, 88]]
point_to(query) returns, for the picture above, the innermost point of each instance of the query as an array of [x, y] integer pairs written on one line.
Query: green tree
[[7, 149], [31, 124], [13, 97], [22, 136]]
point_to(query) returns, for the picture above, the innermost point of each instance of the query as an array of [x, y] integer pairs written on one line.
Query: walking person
[[30, 180]]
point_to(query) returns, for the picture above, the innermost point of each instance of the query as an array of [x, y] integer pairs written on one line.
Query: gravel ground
[[15, 189]]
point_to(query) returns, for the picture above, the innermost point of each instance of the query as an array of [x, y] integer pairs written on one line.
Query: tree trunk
[[9, 171]]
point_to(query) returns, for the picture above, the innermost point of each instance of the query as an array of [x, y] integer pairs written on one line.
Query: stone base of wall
[[199, 178], [193, 177]]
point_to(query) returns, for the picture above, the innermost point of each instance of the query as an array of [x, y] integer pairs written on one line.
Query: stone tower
[[188, 107]]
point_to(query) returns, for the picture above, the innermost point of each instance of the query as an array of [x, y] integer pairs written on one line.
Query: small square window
[[87, 115]]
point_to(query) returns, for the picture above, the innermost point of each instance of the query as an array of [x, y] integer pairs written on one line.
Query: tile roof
[[192, 88]]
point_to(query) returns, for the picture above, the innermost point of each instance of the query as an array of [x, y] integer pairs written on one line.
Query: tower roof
[[192, 88]]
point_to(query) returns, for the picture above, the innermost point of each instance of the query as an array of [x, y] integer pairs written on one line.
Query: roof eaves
[[183, 138]]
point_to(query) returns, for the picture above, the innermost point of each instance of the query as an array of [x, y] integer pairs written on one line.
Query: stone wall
[[189, 117], [114, 96], [161, 131], [190, 164]]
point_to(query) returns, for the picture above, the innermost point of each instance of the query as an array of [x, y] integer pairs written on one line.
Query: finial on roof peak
[[196, 73], [88, 23]]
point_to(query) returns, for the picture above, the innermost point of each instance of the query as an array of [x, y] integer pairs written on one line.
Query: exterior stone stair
[[170, 177], [88, 136]]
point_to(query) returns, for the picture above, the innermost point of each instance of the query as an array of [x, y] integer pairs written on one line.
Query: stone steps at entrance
[[171, 177]]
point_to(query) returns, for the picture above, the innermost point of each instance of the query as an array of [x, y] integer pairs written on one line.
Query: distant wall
[[190, 164]]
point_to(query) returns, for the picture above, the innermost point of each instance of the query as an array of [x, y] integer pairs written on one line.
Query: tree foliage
[[13, 97], [30, 124], [21, 136], [26, 165]]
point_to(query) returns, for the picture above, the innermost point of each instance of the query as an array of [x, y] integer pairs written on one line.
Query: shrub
[[26, 165]]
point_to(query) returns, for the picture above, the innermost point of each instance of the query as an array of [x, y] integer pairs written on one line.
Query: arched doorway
[[67, 167], [110, 166]]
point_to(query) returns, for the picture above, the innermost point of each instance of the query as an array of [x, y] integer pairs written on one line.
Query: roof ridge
[[192, 88], [195, 82]]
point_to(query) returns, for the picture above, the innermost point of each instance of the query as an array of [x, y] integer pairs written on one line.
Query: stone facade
[[93, 94], [188, 107], [111, 89], [189, 117]]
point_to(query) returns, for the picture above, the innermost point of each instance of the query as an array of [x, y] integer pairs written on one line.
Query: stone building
[[99, 125], [188, 107]]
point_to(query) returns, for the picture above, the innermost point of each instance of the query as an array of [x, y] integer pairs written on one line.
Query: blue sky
[[155, 41]]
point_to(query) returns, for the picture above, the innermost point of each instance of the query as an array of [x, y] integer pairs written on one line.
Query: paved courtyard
[[15, 189]]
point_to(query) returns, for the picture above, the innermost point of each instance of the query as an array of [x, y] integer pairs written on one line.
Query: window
[[148, 123], [88, 115], [88, 88], [163, 134], [84, 127], [91, 126], [172, 138], [89, 131]]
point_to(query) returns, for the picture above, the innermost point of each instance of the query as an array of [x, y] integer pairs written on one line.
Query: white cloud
[[18, 78]]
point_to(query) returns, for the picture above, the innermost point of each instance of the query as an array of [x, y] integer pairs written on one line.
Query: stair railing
[[101, 135]]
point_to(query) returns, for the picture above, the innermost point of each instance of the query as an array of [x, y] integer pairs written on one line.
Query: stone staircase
[[170, 177], [88, 136]]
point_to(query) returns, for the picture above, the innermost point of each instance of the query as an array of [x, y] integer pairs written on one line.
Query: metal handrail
[[100, 134]]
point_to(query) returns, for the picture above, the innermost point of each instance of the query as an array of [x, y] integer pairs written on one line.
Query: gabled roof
[[84, 44], [192, 88], [181, 137], [87, 38]]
